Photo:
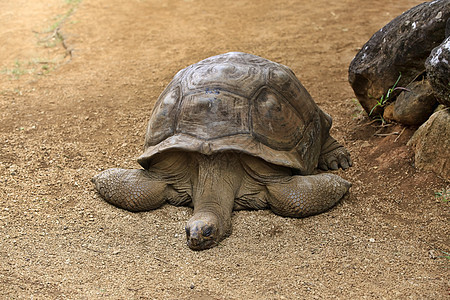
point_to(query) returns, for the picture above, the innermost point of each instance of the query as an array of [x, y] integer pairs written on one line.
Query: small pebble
[[365, 144]]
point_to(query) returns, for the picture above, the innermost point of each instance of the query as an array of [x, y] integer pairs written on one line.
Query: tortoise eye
[[207, 231]]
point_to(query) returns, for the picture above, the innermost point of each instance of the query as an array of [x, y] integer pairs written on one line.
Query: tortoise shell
[[238, 102]]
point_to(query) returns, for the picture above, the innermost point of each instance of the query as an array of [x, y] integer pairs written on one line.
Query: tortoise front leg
[[133, 190], [301, 196], [167, 179]]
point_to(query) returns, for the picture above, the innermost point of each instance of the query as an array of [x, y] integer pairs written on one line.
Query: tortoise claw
[[334, 165], [335, 159], [323, 166], [344, 163]]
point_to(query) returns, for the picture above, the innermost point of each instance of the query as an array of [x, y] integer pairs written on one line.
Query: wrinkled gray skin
[[203, 163]]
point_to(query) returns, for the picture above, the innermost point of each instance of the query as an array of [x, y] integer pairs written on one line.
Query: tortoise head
[[203, 231]]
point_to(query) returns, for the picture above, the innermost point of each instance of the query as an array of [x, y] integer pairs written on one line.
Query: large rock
[[402, 46], [432, 144], [414, 105], [438, 71], [447, 28]]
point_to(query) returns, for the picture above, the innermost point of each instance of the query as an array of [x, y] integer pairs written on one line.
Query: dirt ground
[[77, 84]]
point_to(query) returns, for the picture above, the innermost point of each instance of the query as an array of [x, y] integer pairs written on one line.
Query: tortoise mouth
[[201, 245]]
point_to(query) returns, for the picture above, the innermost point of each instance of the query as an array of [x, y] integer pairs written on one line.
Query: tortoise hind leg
[[301, 196], [133, 190], [334, 155]]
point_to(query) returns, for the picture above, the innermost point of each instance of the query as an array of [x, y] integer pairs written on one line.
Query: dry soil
[[77, 85]]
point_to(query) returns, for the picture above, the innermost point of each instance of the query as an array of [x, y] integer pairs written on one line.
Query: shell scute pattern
[[209, 116], [164, 115], [271, 113], [239, 79], [240, 102]]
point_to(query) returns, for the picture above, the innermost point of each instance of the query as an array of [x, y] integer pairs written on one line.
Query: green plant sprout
[[358, 109], [35, 66], [18, 70], [447, 255], [73, 2], [385, 98], [443, 195]]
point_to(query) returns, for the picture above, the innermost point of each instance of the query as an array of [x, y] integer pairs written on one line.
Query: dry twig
[[399, 134], [387, 134]]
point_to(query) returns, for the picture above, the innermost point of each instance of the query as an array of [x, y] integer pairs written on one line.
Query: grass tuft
[[386, 98], [447, 255], [443, 195]]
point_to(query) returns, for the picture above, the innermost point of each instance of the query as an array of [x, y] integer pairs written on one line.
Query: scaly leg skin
[[301, 196], [133, 190], [334, 155]]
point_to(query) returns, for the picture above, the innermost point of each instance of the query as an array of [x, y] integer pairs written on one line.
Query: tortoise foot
[[334, 156]]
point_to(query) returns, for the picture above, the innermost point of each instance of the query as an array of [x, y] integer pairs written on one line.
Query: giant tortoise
[[234, 131]]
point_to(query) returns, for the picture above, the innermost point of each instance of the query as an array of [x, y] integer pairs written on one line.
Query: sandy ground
[[77, 84]]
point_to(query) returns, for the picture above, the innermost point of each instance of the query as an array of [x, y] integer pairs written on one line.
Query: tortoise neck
[[218, 180]]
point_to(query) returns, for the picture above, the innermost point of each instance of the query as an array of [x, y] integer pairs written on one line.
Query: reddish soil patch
[[75, 98]]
